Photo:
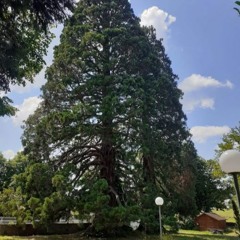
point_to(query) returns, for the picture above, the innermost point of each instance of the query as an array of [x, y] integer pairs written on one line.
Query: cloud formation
[[201, 134], [9, 154], [191, 104], [39, 80], [28, 106], [197, 82], [159, 19]]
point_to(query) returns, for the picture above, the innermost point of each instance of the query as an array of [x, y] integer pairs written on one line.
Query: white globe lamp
[[159, 201], [230, 163]]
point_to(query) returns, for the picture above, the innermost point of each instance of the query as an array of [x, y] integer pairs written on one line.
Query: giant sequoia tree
[[111, 109], [164, 142]]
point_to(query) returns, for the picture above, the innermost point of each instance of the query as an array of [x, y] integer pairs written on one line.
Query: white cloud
[[196, 82], [202, 133], [39, 80], [191, 104], [159, 19], [207, 103], [28, 106], [9, 154]]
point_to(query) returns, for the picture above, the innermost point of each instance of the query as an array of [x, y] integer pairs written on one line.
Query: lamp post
[[159, 202], [230, 163]]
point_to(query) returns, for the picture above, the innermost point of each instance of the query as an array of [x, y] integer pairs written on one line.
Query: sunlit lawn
[[226, 213], [182, 235], [196, 235]]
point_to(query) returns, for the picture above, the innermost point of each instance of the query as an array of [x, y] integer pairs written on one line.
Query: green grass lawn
[[226, 213], [197, 235], [182, 235]]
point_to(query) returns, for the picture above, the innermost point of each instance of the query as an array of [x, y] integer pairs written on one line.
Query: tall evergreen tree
[[92, 98], [110, 107], [166, 151], [164, 123]]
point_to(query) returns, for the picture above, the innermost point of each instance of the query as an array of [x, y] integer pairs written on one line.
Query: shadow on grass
[[165, 237]]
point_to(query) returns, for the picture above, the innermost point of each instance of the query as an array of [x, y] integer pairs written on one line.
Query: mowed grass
[[204, 235], [226, 213], [182, 235]]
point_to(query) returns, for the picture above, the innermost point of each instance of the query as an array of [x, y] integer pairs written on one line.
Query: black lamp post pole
[[236, 185]]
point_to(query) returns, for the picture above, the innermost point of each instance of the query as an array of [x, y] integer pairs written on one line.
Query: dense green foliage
[[25, 36], [211, 188], [111, 108], [230, 140], [110, 135], [10, 168], [34, 192]]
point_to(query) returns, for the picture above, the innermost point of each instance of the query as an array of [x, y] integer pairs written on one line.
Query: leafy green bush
[[172, 223], [187, 223]]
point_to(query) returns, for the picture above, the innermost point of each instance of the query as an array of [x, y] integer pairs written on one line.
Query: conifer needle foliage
[[111, 110]]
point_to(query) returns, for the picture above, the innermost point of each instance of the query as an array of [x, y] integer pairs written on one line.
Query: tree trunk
[[108, 172], [148, 170]]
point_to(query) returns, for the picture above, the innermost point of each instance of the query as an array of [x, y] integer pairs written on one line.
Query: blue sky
[[202, 39]]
